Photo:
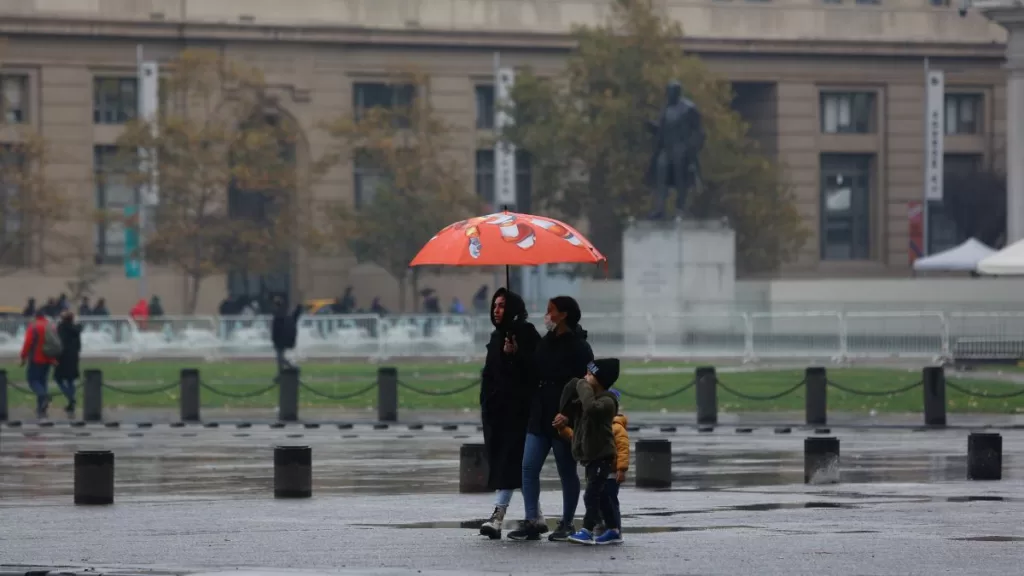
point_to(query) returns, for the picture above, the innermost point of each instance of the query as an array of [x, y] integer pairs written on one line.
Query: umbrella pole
[[508, 275]]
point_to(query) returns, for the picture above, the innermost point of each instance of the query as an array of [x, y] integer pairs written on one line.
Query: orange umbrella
[[507, 239]]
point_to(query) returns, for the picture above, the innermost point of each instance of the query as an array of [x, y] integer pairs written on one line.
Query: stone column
[[1015, 134], [1010, 15]]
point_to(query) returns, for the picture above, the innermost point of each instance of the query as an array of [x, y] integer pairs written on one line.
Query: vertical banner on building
[[149, 110], [504, 151], [915, 222], [132, 261], [935, 106]]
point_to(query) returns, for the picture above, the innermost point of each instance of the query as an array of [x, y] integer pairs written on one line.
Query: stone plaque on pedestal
[[683, 274]]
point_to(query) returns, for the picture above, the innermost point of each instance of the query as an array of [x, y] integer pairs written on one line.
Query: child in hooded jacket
[[622, 451], [589, 410]]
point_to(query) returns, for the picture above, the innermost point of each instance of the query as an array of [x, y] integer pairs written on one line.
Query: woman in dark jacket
[[563, 354], [66, 372], [506, 388]]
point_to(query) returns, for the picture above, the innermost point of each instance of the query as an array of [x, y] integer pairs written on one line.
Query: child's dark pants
[[597, 498]]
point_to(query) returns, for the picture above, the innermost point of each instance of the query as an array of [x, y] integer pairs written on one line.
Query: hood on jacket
[[579, 331], [515, 309], [621, 420]]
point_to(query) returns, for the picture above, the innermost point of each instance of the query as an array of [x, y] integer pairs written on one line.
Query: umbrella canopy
[[964, 257], [507, 239], [1007, 262]]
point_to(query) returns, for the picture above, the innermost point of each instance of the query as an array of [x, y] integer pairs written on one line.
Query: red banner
[[915, 221]]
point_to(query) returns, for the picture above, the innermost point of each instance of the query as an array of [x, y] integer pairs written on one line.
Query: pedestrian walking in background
[[66, 373], [39, 353], [156, 309], [101, 308], [284, 332], [84, 309], [506, 391]]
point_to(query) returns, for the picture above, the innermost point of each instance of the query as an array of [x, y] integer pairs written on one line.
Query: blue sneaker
[[609, 537], [582, 537]]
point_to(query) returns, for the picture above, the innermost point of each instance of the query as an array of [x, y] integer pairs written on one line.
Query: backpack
[[52, 346]]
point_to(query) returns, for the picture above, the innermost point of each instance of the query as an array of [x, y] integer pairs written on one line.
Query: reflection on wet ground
[[194, 460]]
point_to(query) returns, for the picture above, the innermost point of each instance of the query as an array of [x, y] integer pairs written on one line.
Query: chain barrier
[[242, 395], [653, 397], [28, 392], [760, 398], [338, 397], [131, 392], [971, 393], [876, 393], [469, 386]]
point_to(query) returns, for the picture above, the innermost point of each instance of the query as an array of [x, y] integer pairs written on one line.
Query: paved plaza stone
[[199, 500]]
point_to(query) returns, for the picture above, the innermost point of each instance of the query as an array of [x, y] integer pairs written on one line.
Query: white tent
[[964, 257], [1007, 262]]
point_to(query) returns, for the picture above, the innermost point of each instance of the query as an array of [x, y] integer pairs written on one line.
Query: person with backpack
[[66, 372], [41, 349], [284, 332]]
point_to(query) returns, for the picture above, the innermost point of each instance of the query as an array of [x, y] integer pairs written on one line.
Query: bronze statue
[[678, 140]]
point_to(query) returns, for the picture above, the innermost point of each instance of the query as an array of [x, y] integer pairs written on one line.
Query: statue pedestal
[[683, 274]]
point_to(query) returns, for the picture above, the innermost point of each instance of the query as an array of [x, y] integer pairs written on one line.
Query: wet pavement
[[386, 502]]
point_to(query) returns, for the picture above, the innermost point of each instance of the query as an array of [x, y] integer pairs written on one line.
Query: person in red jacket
[[140, 313], [38, 372]]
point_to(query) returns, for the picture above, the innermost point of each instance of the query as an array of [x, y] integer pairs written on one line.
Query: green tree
[[587, 132], [230, 197], [33, 208], [413, 185]]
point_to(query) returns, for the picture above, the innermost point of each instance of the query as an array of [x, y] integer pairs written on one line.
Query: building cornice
[[487, 40]]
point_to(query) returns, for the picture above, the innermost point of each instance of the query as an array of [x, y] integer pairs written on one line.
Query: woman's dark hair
[[568, 306]]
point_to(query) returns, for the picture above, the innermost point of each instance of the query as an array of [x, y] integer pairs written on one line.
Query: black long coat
[[506, 390], [71, 350], [558, 359]]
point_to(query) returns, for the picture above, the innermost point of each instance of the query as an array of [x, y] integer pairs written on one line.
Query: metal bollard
[[473, 468], [94, 477], [3, 396], [92, 396], [707, 395], [815, 405], [984, 456], [387, 394], [653, 464], [288, 397], [293, 472], [934, 379], [821, 460], [188, 394]]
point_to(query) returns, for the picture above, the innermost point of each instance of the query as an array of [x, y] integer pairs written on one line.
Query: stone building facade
[[833, 89]]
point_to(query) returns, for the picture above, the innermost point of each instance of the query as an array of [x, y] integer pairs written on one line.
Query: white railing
[[811, 335]]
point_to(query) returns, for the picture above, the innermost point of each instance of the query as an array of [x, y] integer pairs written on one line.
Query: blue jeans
[[67, 387], [534, 455], [37, 375]]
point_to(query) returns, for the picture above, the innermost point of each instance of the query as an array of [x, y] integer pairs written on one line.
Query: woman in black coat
[[562, 354], [66, 372], [506, 388]]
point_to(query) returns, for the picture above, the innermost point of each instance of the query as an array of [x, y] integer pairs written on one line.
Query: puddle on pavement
[[511, 525], [991, 539], [743, 508]]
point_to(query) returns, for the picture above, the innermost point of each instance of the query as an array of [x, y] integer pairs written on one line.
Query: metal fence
[[806, 335]]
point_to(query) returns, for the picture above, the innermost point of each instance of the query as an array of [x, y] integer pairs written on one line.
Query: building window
[[845, 207], [485, 107], [368, 178], [14, 98], [847, 112], [963, 113], [114, 193], [869, 2], [939, 3], [943, 233], [367, 95], [114, 100], [524, 181], [485, 177]]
